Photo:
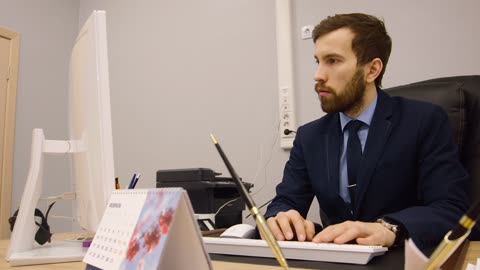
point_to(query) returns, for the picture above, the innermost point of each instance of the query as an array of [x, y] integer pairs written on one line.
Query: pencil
[[259, 218]]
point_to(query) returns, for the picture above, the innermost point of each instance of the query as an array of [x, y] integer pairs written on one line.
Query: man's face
[[340, 83]]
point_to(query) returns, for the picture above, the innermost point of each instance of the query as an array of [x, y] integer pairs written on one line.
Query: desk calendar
[[148, 229]]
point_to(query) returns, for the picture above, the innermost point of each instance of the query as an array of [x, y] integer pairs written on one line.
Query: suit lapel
[[378, 134], [332, 141]]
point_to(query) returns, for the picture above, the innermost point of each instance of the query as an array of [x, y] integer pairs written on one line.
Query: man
[[395, 175]]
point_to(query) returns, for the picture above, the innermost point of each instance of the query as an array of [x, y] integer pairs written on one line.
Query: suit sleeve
[[295, 191], [441, 183]]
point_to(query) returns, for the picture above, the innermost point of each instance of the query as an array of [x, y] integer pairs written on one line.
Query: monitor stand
[[22, 249]]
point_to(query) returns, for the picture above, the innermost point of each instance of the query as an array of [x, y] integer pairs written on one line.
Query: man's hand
[[285, 225], [365, 233]]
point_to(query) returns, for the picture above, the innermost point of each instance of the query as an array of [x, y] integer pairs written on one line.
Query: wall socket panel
[[287, 117]]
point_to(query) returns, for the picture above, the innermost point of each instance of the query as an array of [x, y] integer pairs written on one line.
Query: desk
[[234, 263]]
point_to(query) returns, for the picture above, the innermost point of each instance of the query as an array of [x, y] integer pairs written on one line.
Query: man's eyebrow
[[333, 55], [330, 55]]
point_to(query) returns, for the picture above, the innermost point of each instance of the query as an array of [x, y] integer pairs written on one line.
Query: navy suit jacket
[[410, 171]]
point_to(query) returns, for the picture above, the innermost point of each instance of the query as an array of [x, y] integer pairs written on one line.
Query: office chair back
[[460, 98]]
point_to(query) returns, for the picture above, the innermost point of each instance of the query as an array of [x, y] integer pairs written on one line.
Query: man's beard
[[350, 100]]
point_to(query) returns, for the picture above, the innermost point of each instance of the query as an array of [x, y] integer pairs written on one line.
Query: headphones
[[43, 233]]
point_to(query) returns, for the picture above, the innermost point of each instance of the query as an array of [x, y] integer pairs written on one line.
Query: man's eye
[[331, 61]]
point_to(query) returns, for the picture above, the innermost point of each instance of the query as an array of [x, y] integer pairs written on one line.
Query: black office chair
[[460, 98]]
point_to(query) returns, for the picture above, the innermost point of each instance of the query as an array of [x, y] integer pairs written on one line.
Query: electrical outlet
[[287, 117], [307, 31]]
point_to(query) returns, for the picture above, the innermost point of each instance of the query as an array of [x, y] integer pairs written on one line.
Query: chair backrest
[[460, 98]]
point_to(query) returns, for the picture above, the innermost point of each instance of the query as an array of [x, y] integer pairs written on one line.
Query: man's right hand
[[285, 225]]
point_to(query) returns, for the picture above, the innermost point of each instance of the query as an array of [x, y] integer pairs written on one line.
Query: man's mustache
[[320, 87]]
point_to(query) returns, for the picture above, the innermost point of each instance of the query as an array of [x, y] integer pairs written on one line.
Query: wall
[[430, 39], [47, 30], [180, 70]]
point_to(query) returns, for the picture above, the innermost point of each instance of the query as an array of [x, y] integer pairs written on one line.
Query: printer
[[208, 192]]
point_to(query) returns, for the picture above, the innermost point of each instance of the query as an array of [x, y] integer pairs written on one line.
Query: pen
[[117, 184], [136, 180], [259, 218], [454, 237], [132, 181]]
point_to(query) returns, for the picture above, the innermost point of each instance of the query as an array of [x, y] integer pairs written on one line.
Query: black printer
[[208, 191]]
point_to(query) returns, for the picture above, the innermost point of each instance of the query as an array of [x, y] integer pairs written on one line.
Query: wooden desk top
[[473, 253]]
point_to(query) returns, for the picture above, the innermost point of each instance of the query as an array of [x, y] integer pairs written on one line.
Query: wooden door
[[9, 47]]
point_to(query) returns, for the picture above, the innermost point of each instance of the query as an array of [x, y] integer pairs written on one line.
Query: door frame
[[8, 135]]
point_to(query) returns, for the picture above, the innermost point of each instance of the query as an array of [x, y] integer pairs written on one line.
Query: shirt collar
[[365, 116]]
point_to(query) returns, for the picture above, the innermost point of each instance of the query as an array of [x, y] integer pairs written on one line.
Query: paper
[[474, 267], [414, 258]]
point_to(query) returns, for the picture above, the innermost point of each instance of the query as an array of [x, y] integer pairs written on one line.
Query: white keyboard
[[324, 252]]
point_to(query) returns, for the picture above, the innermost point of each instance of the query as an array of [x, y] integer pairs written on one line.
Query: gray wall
[[182, 69], [47, 30], [431, 38]]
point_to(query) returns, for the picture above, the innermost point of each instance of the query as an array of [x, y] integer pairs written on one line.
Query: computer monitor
[[90, 146], [90, 122]]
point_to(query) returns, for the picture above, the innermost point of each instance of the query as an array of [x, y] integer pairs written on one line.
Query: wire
[[268, 161], [63, 196], [261, 206], [225, 204], [64, 217]]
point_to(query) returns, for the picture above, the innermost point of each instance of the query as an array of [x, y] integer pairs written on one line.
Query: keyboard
[[324, 252]]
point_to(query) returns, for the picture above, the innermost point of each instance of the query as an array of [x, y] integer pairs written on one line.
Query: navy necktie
[[354, 155]]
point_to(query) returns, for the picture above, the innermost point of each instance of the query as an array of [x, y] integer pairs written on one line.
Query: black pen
[[136, 180], [454, 237], [259, 218]]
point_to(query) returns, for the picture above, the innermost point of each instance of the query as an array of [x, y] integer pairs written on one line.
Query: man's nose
[[320, 74]]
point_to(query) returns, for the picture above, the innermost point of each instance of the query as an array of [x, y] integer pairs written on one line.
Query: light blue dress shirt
[[366, 117]]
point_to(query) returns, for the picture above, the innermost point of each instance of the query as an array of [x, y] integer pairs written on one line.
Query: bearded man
[[382, 168]]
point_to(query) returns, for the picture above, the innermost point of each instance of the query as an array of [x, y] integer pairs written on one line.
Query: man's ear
[[373, 70]]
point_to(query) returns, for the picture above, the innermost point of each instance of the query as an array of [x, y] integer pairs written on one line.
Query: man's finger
[[309, 229], [283, 221], [297, 221], [276, 231], [349, 234]]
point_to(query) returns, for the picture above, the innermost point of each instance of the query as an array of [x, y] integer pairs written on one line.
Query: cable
[[261, 206], [277, 135], [225, 204], [64, 196], [64, 217]]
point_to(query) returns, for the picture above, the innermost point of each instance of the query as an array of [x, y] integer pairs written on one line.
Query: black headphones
[[43, 234]]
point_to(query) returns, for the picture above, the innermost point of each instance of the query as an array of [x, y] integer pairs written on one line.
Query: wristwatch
[[399, 231], [388, 225]]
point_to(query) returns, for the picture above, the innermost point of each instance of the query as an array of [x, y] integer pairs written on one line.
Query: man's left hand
[[365, 233]]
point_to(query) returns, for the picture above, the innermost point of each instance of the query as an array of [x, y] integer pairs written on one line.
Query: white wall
[[431, 38], [180, 69], [47, 29]]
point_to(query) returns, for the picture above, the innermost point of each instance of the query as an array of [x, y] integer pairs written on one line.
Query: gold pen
[[454, 238], [259, 218]]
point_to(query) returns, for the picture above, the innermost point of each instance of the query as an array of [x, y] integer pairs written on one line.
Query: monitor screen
[[90, 122]]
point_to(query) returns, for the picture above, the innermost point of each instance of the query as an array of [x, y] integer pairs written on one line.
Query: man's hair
[[370, 41]]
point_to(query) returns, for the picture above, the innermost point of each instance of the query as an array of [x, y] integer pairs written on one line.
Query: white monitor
[[90, 146], [90, 121]]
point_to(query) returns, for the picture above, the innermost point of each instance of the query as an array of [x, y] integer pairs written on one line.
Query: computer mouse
[[239, 231]]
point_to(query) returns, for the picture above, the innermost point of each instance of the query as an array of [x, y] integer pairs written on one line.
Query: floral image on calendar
[[150, 233]]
